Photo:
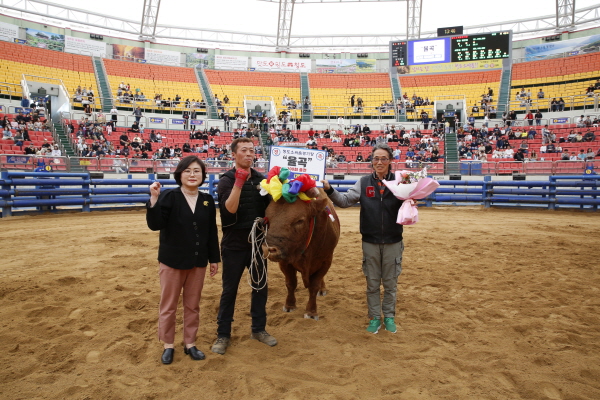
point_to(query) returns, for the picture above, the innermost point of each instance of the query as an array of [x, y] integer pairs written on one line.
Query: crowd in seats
[[549, 84], [368, 93], [530, 143], [284, 88], [479, 88], [26, 134], [153, 86], [73, 69]]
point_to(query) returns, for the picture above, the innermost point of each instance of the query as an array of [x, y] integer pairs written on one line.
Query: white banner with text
[[85, 46], [156, 56], [280, 64], [231, 62]]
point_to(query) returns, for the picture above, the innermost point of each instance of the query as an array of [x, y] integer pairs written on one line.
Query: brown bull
[[302, 237]]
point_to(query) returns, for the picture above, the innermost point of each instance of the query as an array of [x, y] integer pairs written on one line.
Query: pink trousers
[[171, 282]]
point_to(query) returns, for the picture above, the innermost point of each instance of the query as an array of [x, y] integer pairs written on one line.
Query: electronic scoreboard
[[398, 54], [456, 48]]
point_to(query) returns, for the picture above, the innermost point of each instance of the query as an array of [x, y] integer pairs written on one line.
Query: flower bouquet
[[411, 186]]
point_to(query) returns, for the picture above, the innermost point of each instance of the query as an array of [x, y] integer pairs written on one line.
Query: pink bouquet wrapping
[[410, 186]]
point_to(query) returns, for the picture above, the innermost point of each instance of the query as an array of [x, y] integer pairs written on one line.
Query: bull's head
[[290, 227]]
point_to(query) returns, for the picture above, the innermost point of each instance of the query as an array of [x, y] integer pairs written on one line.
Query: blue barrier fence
[[31, 192]]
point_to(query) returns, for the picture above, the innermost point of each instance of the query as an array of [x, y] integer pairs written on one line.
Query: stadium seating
[[558, 77], [73, 69], [235, 85], [335, 90], [471, 85], [153, 79]]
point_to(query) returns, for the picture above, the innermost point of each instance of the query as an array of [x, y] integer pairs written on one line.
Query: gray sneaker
[[264, 337], [220, 345]]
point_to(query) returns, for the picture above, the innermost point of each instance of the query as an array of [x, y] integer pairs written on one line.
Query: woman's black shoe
[[167, 356], [194, 353]]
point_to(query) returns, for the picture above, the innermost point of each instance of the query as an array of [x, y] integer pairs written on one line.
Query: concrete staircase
[[207, 94], [397, 93], [451, 159], [504, 93], [305, 91], [102, 83]]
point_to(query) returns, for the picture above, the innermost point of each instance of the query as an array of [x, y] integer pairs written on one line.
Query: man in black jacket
[[240, 203], [381, 236]]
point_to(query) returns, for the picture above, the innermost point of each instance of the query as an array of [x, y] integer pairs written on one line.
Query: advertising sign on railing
[[45, 40], [157, 56], [84, 46], [280, 64], [231, 62], [9, 30], [128, 53], [556, 49], [559, 120]]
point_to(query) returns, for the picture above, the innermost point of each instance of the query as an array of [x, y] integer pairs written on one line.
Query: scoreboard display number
[[450, 31]]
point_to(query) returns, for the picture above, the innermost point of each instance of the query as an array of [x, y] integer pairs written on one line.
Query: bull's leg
[[291, 282], [323, 290], [314, 287]]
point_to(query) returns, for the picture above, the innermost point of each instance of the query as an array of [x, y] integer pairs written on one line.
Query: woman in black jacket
[[186, 219]]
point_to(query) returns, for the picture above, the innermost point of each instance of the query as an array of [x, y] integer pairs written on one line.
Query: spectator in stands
[[25, 102], [124, 139], [561, 104], [306, 104], [226, 100], [138, 114], [589, 136], [590, 91], [551, 148], [554, 105], [135, 128], [57, 153], [529, 118], [541, 94], [524, 147], [590, 154]]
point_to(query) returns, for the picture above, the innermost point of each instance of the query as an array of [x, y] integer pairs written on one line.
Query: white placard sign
[[280, 64], [231, 62], [84, 46], [300, 161], [156, 56], [9, 30]]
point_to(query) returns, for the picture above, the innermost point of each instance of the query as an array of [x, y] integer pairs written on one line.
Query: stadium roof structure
[[565, 19]]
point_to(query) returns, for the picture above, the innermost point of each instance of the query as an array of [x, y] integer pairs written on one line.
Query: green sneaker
[[374, 326], [390, 325]]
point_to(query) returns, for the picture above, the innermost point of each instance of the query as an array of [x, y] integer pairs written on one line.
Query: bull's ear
[[319, 203]]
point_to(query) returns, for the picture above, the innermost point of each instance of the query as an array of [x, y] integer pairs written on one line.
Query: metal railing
[[121, 165]]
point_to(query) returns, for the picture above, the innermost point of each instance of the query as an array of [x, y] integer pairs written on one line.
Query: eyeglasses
[[383, 160]]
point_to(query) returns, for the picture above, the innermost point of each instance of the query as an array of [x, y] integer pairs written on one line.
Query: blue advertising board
[[157, 120], [196, 122], [559, 120], [177, 121]]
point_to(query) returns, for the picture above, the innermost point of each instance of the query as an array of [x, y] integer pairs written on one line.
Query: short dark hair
[[184, 164], [382, 146], [235, 142]]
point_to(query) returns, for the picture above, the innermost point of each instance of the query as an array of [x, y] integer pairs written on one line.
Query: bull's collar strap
[[310, 233]]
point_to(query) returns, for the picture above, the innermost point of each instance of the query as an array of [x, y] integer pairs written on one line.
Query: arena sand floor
[[492, 304]]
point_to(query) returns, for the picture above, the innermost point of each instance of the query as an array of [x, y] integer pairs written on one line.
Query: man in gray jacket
[[381, 236]]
